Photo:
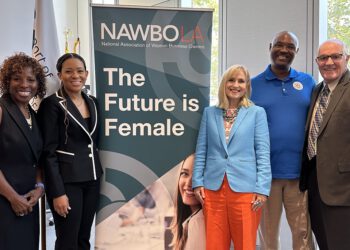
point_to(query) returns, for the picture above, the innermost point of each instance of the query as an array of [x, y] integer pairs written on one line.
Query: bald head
[[332, 42], [283, 48], [288, 33], [332, 60]]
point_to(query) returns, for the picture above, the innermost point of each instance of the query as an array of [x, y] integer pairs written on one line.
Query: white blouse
[[196, 232]]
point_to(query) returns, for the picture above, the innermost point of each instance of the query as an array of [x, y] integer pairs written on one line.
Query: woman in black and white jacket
[[69, 124]]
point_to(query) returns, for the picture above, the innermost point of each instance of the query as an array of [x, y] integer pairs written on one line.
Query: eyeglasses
[[324, 58]]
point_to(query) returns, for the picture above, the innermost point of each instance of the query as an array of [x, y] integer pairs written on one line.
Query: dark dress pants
[[73, 232], [330, 224]]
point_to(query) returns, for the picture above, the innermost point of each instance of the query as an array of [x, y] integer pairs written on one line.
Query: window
[[103, 1], [338, 25], [214, 76]]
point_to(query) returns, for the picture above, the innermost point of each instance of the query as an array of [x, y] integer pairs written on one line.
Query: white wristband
[[40, 185]]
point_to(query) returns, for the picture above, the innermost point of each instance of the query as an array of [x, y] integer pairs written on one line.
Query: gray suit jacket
[[333, 146]]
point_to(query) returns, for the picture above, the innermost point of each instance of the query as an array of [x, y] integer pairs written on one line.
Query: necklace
[[29, 119], [229, 116], [79, 104]]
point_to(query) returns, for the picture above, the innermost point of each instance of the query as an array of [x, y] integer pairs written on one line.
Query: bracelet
[[40, 185]]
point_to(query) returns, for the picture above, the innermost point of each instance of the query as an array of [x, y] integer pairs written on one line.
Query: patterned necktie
[[313, 133]]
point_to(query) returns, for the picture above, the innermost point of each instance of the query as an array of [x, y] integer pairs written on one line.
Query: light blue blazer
[[245, 158]]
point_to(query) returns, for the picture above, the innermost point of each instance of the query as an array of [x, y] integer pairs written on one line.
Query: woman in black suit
[[21, 79], [69, 124]]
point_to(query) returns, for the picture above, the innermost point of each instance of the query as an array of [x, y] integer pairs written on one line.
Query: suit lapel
[[36, 139], [21, 122], [67, 104], [220, 126], [335, 98], [75, 114], [93, 112], [240, 117], [314, 96]]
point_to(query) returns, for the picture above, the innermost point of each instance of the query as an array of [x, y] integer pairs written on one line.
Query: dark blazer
[[333, 146], [20, 147], [70, 144]]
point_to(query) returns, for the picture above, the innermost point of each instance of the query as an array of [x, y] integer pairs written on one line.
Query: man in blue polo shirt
[[285, 94]]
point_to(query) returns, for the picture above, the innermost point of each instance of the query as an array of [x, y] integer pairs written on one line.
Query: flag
[[45, 43], [76, 46]]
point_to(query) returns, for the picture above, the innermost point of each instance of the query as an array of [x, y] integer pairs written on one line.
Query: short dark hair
[[289, 33]]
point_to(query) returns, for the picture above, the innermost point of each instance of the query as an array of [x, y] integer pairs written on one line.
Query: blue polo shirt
[[286, 103]]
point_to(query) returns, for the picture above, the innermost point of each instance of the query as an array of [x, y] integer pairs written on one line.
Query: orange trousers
[[229, 216]]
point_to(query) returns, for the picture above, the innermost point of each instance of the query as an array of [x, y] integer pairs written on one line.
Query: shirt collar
[[269, 76], [331, 85]]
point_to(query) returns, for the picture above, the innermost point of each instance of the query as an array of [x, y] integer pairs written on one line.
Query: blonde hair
[[223, 100]]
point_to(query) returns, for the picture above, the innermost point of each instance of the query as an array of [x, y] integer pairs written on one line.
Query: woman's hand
[[258, 201], [34, 195], [200, 195], [20, 205], [61, 205]]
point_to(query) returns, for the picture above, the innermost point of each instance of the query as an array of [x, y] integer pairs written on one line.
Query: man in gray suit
[[326, 157]]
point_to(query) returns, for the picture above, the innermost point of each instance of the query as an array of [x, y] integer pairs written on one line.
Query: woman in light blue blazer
[[232, 172]]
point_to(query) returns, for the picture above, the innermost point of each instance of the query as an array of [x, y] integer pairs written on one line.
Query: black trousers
[[330, 224], [73, 232]]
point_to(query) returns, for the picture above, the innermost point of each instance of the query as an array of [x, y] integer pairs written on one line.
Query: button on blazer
[[333, 146], [245, 159], [70, 151]]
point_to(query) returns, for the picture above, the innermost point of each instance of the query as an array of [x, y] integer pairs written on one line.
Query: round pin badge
[[298, 85]]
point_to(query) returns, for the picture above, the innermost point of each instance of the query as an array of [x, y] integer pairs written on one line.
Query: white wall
[[16, 25], [158, 3], [249, 26], [74, 15]]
